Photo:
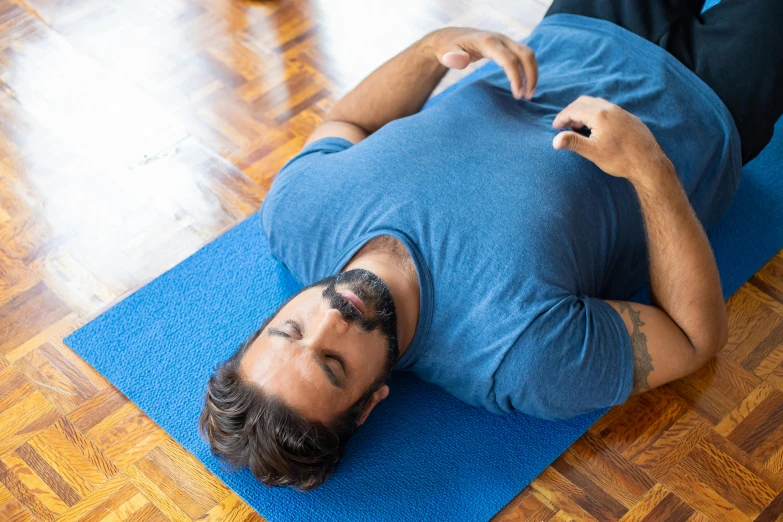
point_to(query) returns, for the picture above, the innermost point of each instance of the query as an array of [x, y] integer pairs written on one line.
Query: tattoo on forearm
[[641, 356]]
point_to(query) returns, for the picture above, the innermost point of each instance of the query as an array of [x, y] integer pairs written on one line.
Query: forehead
[[272, 365]]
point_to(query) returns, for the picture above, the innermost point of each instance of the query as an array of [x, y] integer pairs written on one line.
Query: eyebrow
[[325, 367]]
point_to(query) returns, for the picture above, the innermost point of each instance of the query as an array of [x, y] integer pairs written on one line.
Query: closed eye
[[297, 328], [280, 333], [339, 360]]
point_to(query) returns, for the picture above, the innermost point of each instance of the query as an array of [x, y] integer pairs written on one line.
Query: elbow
[[713, 341], [720, 333], [341, 112], [723, 339], [333, 114]]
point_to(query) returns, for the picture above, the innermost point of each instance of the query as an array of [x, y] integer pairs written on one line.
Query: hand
[[457, 47], [620, 144]]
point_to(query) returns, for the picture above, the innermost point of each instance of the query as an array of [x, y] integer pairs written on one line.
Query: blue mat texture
[[422, 455]]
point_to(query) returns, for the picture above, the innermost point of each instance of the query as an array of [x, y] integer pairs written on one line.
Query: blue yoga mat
[[422, 455]]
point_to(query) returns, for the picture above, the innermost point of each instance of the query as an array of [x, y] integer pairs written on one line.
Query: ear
[[376, 397]]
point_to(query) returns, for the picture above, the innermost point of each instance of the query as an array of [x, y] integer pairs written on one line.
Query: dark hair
[[245, 426]]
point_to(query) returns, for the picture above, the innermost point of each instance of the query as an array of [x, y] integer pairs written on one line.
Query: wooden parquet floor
[[132, 133]]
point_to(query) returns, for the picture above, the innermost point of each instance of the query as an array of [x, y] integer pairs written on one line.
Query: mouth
[[354, 300]]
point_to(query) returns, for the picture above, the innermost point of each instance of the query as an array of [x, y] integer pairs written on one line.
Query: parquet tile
[[28, 312], [528, 506], [113, 493], [132, 133]]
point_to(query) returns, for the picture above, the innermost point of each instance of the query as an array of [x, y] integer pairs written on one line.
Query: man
[[489, 243]]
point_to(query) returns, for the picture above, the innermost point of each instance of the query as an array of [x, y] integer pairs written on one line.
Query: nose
[[331, 327]]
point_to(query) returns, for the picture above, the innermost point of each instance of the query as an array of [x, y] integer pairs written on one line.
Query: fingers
[[574, 142], [527, 58], [581, 112], [576, 113], [502, 55], [585, 110], [517, 60], [457, 59], [568, 119], [519, 63]]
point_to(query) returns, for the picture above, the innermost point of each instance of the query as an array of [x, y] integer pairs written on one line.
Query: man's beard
[[380, 312]]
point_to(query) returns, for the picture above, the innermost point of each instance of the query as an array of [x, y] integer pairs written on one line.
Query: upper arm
[[661, 351], [583, 353], [573, 356], [337, 129]]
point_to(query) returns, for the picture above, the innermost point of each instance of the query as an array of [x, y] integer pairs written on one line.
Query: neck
[[404, 285]]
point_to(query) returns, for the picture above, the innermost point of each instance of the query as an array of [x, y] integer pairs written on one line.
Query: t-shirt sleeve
[[288, 213], [574, 358], [310, 156]]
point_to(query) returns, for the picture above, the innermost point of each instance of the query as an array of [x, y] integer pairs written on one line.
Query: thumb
[[458, 59], [572, 141]]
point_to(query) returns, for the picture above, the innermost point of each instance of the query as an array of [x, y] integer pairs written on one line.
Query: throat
[[390, 247]]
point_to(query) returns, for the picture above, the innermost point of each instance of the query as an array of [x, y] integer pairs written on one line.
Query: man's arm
[[399, 87], [688, 324]]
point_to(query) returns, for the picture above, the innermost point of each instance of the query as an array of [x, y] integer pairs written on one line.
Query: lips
[[353, 299]]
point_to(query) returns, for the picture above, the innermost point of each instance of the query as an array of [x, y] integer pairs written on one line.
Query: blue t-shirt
[[515, 244]]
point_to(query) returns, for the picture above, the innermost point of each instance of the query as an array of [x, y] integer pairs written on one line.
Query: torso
[[501, 227]]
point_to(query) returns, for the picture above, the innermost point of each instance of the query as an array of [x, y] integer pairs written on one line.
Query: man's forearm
[[684, 279], [398, 88]]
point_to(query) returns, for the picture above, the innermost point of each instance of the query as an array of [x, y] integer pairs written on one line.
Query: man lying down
[[489, 243]]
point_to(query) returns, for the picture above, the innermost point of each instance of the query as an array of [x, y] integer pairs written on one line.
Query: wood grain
[[133, 133]]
